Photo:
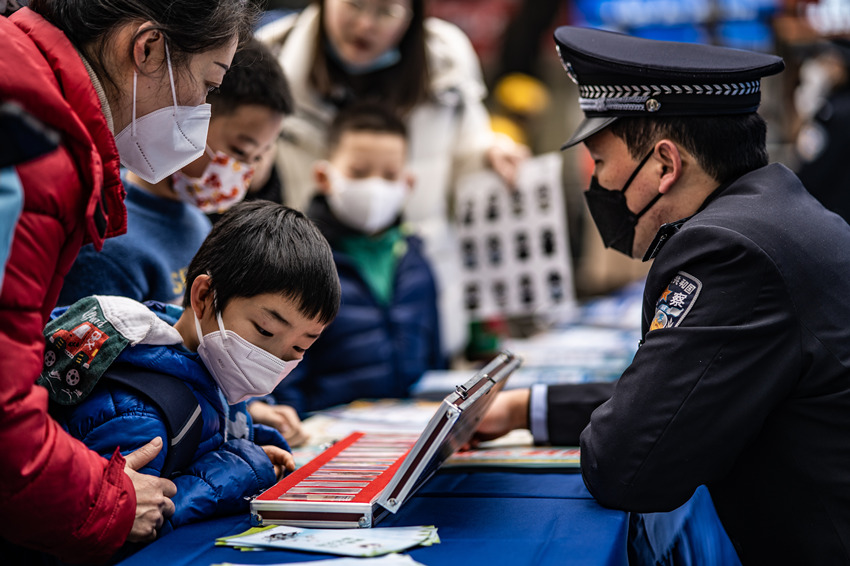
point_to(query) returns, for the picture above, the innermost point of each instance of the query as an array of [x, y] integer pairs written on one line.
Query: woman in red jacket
[[117, 79]]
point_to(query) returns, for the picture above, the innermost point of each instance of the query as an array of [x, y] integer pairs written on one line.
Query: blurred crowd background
[[531, 99]]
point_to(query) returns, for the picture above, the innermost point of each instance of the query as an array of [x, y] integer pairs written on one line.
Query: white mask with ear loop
[[241, 369], [157, 144]]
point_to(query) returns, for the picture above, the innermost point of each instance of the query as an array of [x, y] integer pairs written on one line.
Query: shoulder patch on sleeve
[[676, 301]]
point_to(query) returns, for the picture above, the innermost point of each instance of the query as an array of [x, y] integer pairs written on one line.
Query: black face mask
[[615, 222]]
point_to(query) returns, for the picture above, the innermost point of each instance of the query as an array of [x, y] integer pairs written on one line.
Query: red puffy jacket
[[55, 494]]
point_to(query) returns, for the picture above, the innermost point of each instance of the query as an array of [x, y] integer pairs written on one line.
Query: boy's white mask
[[241, 369], [367, 205], [159, 143]]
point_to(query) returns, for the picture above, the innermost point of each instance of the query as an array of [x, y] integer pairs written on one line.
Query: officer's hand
[[153, 505], [508, 411], [283, 418], [281, 459]]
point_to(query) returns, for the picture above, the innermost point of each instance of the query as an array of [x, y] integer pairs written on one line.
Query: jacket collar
[[670, 229], [101, 93]]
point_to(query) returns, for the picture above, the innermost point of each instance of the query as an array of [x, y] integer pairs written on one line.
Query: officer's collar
[[668, 230]]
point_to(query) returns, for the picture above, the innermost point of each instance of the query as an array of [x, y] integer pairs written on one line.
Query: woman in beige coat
[[338, 51]]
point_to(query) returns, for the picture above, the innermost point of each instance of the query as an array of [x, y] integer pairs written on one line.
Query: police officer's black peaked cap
[[621, 75]]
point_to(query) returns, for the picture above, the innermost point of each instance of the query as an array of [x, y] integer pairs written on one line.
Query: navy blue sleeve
[[438, 360]]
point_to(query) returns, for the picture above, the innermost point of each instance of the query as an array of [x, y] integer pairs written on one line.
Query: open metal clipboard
[[449, 429], [302, 499]]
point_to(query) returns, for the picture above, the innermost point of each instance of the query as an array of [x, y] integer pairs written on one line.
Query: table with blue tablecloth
[[496, 517]]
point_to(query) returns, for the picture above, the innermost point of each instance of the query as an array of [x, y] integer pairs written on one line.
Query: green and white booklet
[[386, 560], [345, 542]]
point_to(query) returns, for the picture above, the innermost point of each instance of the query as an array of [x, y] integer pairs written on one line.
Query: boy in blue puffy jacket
[[259, 292], [387, 332]]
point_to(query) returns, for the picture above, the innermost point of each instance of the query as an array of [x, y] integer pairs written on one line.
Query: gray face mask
[[615, 222]]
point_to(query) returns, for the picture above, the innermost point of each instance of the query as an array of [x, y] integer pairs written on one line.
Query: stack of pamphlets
[[386, 560], [345, 542], [516, 457]]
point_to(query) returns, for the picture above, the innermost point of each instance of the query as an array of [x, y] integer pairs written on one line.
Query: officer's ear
[[669, 157]]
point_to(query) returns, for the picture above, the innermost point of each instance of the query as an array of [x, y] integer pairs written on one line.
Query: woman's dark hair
[[189, 26], [401, 86], [260, 247], [366, 116], [255, 77], [726, 147]]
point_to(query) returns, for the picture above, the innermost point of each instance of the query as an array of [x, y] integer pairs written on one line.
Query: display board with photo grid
[[513, 243]]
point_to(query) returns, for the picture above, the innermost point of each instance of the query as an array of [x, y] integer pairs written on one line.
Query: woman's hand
[[153, 494], [505, 157]]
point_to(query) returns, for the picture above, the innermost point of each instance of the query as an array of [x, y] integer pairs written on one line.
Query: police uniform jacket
[[742, 381]]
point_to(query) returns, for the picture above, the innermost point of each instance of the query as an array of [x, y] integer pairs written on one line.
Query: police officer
[[742, 380]]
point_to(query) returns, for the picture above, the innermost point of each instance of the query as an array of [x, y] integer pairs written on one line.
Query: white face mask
[[159, 143], [241, 369], [223, 183], [367, 205]]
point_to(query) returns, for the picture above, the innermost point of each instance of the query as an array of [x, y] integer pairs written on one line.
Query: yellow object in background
[[518, 98], [521, 94], [509, 127]]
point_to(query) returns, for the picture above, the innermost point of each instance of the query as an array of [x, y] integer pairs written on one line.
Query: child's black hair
[[260, 247], [364, 116]]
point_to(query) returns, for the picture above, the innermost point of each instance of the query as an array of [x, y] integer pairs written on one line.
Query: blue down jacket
[[370, 350], [229, 464]]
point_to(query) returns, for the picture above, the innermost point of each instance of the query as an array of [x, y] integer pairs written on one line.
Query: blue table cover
[[482, 518], [491, 518]]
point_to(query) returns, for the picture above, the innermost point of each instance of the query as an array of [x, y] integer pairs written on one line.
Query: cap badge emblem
[[567, 66]]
